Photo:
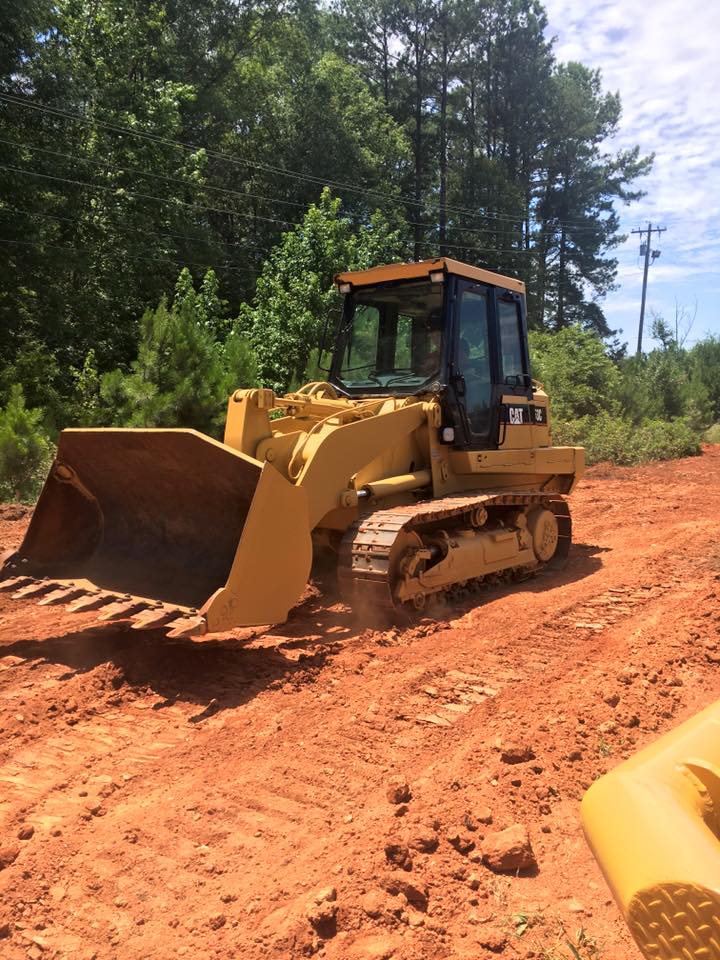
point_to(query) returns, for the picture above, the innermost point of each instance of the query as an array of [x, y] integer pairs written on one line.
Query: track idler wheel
[[543, 528]]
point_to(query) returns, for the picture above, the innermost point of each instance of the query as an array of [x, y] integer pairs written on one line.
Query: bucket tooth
[[14, 583], [35, 589], [58, 596], [186, 627], [123, 609], [153, 619], [91, 601]]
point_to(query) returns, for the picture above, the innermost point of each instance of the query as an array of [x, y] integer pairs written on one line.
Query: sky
[[663, 57]]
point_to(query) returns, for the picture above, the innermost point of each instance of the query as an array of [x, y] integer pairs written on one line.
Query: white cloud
[[663, 60]]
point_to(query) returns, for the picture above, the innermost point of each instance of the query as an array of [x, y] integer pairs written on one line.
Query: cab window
[[391, 339], [473, 361], [511, 349]]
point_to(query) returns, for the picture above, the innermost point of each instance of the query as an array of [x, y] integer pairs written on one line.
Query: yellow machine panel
[[653, 824]]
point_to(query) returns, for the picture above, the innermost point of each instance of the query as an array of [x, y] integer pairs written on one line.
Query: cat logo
[[516, 415]]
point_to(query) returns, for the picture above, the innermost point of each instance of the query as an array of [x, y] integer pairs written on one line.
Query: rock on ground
[[509, 851]]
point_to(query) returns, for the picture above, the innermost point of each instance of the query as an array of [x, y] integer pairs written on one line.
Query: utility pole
[[645, 249]]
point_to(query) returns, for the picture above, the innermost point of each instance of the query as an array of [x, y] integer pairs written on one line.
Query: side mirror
[[516, 380]]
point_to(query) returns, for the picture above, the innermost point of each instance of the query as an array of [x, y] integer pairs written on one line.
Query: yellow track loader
[[424, 463]]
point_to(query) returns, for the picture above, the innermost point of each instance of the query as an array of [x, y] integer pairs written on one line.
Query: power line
[[318, 181], [129, 256], [153, 233], [223, 190], [174, 200], [144, 196], [425, 245], [148, 173]]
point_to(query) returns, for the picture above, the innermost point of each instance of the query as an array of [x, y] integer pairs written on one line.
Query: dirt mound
[[325, 788]]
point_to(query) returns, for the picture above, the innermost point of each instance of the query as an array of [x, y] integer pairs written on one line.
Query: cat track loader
[[424, 463]]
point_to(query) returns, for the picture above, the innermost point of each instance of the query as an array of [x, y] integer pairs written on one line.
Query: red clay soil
[[244, 796]]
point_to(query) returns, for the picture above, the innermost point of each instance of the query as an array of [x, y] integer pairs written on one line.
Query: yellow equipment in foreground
[[653, 824], [422, 465]]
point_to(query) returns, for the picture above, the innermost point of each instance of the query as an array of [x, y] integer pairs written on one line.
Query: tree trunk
[[418, 154], [442, 225], [386, 68], [561, 282]]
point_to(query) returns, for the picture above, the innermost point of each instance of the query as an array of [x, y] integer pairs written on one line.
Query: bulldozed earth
[[347, 789]]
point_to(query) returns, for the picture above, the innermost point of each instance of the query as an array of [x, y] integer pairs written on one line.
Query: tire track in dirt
[[232, 780]]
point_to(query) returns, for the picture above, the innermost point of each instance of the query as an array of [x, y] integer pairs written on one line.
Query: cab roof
[[423, 268]]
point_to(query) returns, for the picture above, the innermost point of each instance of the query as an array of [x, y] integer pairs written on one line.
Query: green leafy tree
[[88, 407], [296, 298], [576, 371], [25, 450], [103, 203], [37, 371], [197, 133], [665, 384], [205, 304], [366, 33], [704, 363], [20, 23], [498, 133]]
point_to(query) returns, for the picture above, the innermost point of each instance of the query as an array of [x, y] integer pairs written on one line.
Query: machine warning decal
[[522, 413]]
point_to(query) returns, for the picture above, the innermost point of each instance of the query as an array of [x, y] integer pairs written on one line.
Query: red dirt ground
[[197, 798]]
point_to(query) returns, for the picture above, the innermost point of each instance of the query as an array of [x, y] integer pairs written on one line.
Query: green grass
[[581, 946], [521, 922]]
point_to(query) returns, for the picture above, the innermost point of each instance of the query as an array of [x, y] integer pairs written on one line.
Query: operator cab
[[438, 327]]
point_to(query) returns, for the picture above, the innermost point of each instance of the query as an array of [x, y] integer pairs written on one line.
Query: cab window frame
[[472, 440], [508, 296], [344, 332]]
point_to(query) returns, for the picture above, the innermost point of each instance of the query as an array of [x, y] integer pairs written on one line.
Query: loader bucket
[[653, 824], [172, 517]]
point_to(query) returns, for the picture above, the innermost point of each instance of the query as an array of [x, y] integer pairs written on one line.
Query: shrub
[[39, 373], [85, 407], [665, 440], [25, 451], [576, 371], [183, 373], [712, 434], [620, 441]]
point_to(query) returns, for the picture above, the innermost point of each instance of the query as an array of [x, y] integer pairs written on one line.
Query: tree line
[[180, 180], [143, 137], [190, 353]]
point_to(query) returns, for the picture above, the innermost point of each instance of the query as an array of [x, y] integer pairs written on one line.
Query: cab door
[[516, 410], [491, 366], [475, 363]]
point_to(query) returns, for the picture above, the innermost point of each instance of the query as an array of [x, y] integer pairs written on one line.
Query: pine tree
[[183, 374], [577, 220]]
